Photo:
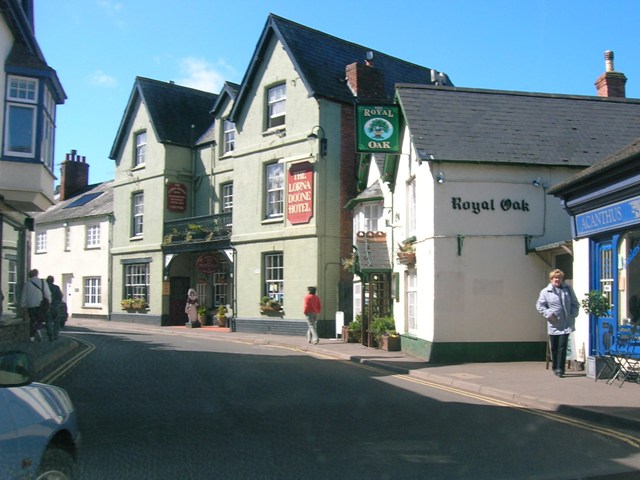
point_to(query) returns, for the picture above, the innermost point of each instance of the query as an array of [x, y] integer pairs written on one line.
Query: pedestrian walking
[[33, 292], [54, 316], [558, 304], [311, 309]]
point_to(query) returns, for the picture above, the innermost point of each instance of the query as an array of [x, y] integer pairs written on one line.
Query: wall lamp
[[537, 182], [440, 177], [312, 137]]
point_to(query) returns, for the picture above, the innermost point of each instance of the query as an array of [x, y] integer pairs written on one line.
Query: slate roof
[[228, 93], [373, 254], [472, 125], [321, 60], [172, 108], [101, 204], [613, 166]]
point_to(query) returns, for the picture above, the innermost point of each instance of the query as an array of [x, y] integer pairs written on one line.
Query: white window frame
[[67, 238], [136, 281], [411, 288], [140, 157], [12, 281], [92, 294], [228, 136], [41, 241], [276, 105], [226, 194], [92, 235], [274, 190], [22, 94], [137, 214], [411, 208], [274, 276]]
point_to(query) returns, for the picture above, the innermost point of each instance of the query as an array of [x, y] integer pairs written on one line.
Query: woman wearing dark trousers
[[558, 304]]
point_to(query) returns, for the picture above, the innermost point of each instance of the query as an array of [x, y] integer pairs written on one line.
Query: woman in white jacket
[[558, 304]]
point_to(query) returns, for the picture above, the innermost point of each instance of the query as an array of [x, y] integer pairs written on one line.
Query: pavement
[[527, 384]]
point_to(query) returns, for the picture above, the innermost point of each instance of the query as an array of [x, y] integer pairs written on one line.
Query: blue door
[[603, 279]]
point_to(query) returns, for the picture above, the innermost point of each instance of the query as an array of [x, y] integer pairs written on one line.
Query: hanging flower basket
[[407, 258]]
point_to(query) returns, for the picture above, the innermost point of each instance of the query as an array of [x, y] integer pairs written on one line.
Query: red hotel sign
[[300, 193], [176, 197]]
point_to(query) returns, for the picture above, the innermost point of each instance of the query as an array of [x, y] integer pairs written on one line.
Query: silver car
[[38, 425]]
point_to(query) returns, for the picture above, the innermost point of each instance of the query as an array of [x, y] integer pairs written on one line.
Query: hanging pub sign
[[176, 197], [300, 193], [207, 263], [378, 128]]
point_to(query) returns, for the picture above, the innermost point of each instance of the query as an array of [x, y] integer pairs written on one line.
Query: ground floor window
[[92, 291], [274, 276], [136, 281], [221, 286], [412, 301], [629, 277]]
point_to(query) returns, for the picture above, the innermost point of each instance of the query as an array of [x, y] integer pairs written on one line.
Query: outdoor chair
[[626, 354], [609, 366]]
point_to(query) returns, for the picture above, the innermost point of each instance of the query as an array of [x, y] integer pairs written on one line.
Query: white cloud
[[101, 79], [202, 75]]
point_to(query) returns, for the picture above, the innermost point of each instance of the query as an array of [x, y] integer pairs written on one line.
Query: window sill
[[268, 221], [136, 238]]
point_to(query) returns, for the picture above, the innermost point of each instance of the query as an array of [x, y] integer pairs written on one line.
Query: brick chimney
[[611, 83], [74, 175], [365, 80]]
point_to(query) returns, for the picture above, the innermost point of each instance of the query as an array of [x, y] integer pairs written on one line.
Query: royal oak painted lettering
[[476, 207], [377, 112]]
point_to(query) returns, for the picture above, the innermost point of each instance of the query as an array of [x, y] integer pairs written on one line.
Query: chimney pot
[[608, 61], [611, 83]]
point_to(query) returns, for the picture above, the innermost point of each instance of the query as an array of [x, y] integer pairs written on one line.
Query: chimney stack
[[365, 80], [74, 175], [611, 83]]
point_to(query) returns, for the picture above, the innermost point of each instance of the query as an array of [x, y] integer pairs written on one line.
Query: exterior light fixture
[[440, 177], [312, 137], [537, 182]]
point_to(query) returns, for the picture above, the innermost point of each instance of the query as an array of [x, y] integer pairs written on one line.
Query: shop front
[[604, 204]]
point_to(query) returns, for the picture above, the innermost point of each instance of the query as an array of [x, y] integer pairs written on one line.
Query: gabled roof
[[25, 56], [471, 125], [227, 94], [321, 60], [173, 110], [95, 201]]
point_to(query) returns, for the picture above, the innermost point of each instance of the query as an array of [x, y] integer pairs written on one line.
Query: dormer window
[[21, 114], [276, 105]]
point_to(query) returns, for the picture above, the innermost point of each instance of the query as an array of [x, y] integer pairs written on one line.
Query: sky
[[99, 47]]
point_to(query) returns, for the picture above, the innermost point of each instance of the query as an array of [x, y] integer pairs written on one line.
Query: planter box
[[407, 258], [390, 343], [597, 367]]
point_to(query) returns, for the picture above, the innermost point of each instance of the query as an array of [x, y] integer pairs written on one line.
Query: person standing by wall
[[55, 314], [191, 308], [311, 309], [33, 292], [558, 304]]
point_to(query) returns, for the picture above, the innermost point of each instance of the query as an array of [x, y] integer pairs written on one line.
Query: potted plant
[[268, 304], [406, 253], [596, 303], [202, 314], [221, 316], [383, 330], [352, 332], [127, 303]]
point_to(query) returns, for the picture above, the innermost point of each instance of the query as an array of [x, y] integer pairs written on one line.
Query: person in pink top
[[311, 309]]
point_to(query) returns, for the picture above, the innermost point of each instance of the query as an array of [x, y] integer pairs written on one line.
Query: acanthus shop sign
[[176, 197], [300, 193]]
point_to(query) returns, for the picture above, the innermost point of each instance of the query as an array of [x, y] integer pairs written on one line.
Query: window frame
[[137, 214], [18, 98], [273, 274], [91, 291], [140, 149], [274, 191], [92, 235], [228, 136], [276, 98], [136, 289], [41, 241]]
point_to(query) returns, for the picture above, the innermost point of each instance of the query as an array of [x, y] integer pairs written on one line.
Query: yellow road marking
[[65, 367]]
